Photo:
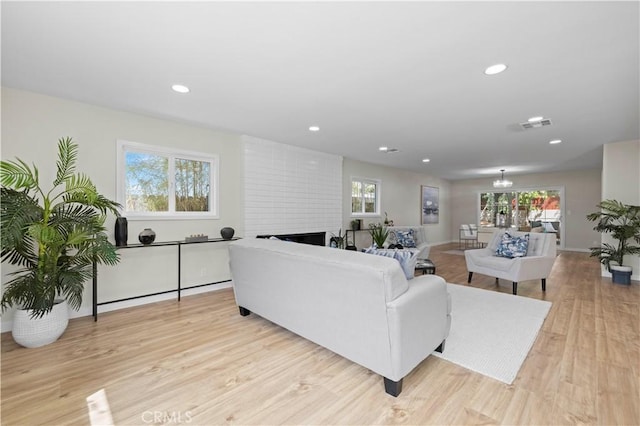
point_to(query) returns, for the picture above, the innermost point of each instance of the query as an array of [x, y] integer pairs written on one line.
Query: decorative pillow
[[406, 258], [405, 238], [512, 247]]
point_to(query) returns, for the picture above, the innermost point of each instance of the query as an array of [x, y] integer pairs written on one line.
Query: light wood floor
[[200, 362]]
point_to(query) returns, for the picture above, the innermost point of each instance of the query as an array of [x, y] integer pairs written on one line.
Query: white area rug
[[492, 333]]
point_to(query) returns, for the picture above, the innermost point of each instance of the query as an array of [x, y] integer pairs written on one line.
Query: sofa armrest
[[424, 248], [419, 320]]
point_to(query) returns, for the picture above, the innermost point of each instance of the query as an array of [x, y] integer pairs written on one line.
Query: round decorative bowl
[[147, 236], [227, 233]]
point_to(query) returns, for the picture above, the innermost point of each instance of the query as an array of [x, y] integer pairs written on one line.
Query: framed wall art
[[429, 204]]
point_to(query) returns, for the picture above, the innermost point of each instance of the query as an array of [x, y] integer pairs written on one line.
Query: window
[[163, 183], [536, 210], [365, 197]]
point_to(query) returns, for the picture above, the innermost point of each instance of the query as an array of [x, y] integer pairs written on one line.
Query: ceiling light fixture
[[314, 129], [425, 160], [495, 69], [180, 88], [555, 141], [534, 119], [502, 182], [388, 150]]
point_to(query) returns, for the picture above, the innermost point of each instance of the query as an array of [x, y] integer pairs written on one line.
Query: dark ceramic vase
[[147, 236], [227, 233], [121, 231]]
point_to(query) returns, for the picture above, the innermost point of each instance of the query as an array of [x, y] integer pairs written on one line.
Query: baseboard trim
[[161, 297], [581, 250], [86, 311]]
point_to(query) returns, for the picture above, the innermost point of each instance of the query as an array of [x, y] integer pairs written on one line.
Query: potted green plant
[[622, 221], [337, 241], [355, 224], [52, 236], [379, 234]]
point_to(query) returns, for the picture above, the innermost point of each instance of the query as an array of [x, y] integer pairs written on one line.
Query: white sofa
[[419, 236], [537, 264], [357, 305]]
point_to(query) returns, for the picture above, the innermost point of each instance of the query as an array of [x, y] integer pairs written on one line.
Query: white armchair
[[537, 264], [397, 235]]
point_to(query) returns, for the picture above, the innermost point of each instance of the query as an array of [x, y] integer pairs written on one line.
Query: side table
[[426, 266]]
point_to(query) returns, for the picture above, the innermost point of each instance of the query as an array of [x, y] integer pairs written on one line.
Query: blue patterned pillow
[[406, 258], [512, 247], [405, 238]]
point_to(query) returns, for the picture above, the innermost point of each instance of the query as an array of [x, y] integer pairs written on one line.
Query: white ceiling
[[404, 75]]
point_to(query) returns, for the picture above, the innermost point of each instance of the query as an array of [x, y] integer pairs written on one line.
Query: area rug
[[458, 252], [492, 333]]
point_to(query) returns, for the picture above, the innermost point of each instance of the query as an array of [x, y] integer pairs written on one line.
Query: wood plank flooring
[[199, 362]]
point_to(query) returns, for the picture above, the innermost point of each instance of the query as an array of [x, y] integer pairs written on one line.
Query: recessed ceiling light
[[388, 150], [425, 160], [180, 88], [495, 69], [555, 141], [534, 119], [314, 129]]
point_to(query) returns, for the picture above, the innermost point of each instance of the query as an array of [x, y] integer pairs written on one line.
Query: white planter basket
[[33, 333]]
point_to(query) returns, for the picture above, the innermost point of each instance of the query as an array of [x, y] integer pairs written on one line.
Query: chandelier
[[502, 182]]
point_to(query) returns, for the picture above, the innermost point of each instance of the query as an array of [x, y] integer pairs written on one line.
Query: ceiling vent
[[536, 124]]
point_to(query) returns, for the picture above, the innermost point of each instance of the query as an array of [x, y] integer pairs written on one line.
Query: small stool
[[426, 266]]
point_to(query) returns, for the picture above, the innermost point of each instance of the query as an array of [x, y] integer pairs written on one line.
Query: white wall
[[32, 124], [621, 181], [581, 193], [290, 190], [401, 193]]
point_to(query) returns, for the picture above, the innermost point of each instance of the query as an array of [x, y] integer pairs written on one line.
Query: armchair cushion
[[512, 247]]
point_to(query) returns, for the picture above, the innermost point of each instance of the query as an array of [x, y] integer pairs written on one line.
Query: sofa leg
[[515, 287], [544, 284], [497, 281], [244, 311], [391, 387], [441, 347], [469, 279]]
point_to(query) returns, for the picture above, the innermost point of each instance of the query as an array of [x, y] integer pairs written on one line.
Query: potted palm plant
[[622, 221], [52, 237]]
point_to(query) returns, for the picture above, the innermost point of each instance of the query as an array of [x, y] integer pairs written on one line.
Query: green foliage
[[622, 221], [379, 234], [339, 239], [53, 236]]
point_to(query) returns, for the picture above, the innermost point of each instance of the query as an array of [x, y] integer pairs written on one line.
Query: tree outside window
[[161, 182], [365, 196]]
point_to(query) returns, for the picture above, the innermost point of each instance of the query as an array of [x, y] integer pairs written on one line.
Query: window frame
[[124, 146], [363, 180]]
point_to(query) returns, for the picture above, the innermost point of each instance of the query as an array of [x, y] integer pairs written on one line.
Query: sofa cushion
[[512, 247]]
